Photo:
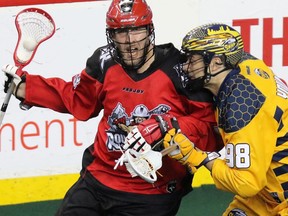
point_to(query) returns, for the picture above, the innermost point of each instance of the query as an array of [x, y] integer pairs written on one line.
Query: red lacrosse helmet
[[128, 13]]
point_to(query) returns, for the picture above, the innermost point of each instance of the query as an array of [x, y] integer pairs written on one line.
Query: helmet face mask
[[209, 41], [194, 66], [131, 47], [194, 70], [130, 33]]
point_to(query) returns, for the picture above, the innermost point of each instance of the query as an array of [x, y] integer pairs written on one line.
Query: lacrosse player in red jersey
[[252, 114], [129, 75]]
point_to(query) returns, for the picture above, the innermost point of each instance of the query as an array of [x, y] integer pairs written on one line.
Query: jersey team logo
[[237, 212], [76, 81], [119, 121], [262, 73]]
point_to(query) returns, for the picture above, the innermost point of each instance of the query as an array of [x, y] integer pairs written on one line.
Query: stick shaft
[[169, 149], [6, 101]]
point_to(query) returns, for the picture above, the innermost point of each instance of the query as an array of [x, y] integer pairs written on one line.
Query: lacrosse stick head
[[34, 26], [145, 164]]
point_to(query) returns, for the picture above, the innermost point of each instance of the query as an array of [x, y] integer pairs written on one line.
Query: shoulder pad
[[99, 62]]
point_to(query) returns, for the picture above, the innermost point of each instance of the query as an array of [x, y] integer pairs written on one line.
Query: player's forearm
[[245, 183], [20, 93], [55, 93], [209, 165]]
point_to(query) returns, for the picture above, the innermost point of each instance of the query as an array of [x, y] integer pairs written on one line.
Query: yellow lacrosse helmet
[[214, 39]]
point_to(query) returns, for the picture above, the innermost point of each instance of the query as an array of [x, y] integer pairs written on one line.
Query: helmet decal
[[126, 6], [128, 13], [216, 39]]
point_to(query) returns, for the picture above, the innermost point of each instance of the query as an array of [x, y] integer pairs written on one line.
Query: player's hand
[[149, 132], [134, 140], [145, 135], [12, 72], [186, 153]]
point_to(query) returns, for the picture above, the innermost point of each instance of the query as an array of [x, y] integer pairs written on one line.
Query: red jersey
[[125, 96]]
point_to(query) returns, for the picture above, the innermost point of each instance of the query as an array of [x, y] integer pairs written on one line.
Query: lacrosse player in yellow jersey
[[252, 115]]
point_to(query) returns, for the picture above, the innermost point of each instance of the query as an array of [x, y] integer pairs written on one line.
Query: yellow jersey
[[252, 115]]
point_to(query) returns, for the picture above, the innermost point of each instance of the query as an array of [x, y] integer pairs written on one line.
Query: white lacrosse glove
[[149, 133], [18, 76], [139, 142], [12, 72], [135, 141], [139, 158]]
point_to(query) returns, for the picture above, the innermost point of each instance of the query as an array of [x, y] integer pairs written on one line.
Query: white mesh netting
[[34, 27]]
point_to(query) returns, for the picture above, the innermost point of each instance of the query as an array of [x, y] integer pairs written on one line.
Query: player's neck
[[215, 83]]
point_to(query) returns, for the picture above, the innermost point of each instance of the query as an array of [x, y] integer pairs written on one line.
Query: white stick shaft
[[169, 149], [6, 101]]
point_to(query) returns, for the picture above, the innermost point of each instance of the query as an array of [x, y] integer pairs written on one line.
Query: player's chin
[[132, 62]]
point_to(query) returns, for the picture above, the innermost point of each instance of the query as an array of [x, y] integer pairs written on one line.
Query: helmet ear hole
[[221, 60]]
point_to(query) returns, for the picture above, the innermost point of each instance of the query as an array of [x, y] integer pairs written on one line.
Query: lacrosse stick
[[145, 165], [33, 26]]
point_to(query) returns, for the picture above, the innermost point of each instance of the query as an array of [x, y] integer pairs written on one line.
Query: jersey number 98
[[238, 155]]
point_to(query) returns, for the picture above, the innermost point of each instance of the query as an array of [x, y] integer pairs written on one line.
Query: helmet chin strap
[[198, 83], [208, 74], [224, 69]]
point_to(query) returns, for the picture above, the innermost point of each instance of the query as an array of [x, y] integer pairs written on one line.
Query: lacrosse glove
[[149, 132], [187, 153], [146, 135], [18, 76], [13, 72]]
